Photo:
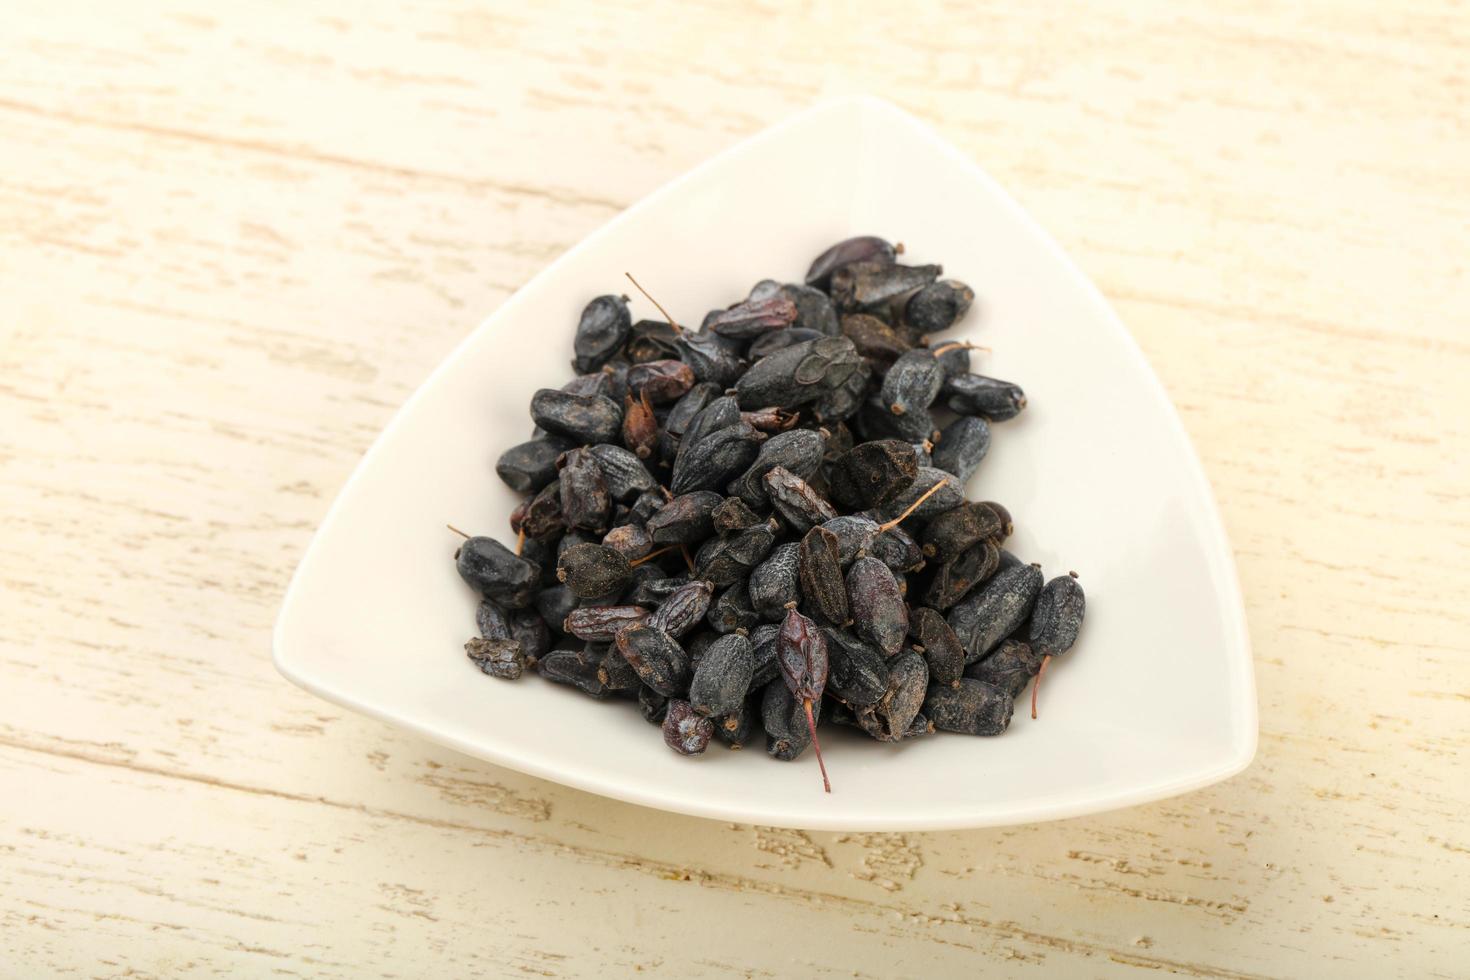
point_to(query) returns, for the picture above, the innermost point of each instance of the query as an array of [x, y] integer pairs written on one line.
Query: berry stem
[[890, 525], [811, 726], [1037, 686], [457, 531], [677, 328], [651, 555]]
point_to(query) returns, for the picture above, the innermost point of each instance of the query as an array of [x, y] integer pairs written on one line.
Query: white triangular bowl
[[1158, 697]]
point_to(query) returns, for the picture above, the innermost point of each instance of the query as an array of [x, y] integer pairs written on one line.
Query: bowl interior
[[1156, 698]]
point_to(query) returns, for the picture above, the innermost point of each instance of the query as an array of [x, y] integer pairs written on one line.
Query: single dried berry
[[600, 624], [724, 561], [822, 585], [685, 731], [876, 605], [750, 319], [943, 652], [763, 642], [775, 582], [889, 718], [864, 248], [913, 382], [601, 332], [683, 608], [973, 394], [962, 445], [529, 466], [1055, 622], [769, 343], [722, 678], [651, 340], [716, 458], [569, 667], [645, 505], [842, 402], [814, 309], [592, 571], [956, 578], [660, 661], [938, 306], [947, 497], [640, 426], [858, 671], [660, 381], [994, 610], [797, 374], [971, 707], [687, 519], [872, 474], [732, 610], [651, 592], [1003, 516], [629, 540], [866, 285], [529, 630], [875, 420], [491, 621], [496, 572], [895, 548], [801, 653], [731, 514], [799, 451], [783, 716], [585, 502], [624, 473], [1009, 668], [738, 727], [498, 658], [712, 358], [856, 534], [584, 419], [956, 531], [873, 339], [615, 673], [794, 499]]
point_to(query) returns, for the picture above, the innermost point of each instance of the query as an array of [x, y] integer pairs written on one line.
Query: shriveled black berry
[[732, 610], [843, 402], [1057, 618], [995, 609], [685, 731], [797, 374], [754, 317], [864, 248], [614, 672], [679, 417], [660, 661], [687, 519], [529, 466], [875, 603], [712, 461], [554, 604], [652, 705], [858, 671], [814, 309], [1009, 667], [783, 716], [737, 728], [601, 332], [795, 500], [888, 719], [652, 591], [497, 573], [971, 707], [711, 357], [725, 560], [872, 474], [763, 645], [569, 667], [540, 517], [529, 630], [585, 501], [498, 658], [799, 451], [948, 497], [956, 578], [723, 677], [822, 585], [866, 285], [962, 445], [956, 531], [943, 652], [897, 549], [625, 475], [913, 382], [682, 610], [732, 514], [873, 339], [938, 306], [661, 381], [721, 412], [855, 534], [491, 621], [776, 582], [632, 541], [974, 394], [1003, 516], [584, 419], [592, 570]]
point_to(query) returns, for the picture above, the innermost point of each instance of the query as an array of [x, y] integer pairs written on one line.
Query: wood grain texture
[[234, 237]]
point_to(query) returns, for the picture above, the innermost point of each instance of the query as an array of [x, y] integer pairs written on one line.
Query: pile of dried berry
[[759, 524]]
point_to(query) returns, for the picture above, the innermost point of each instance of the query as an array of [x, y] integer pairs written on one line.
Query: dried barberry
[[822, 585], [873, 474], [496, 572], [683, 608], [722, 678], [660, 661], [875, 603], [974, 394], [601, 332], [584, 419], [687, 519], [943, 652], [569, 667], [888, 719], [995, 609], [529, 466], [971, 707], [600, 624], [869, 249], [685, 731], [795, 500], [498, 658], [775, 582], [938, 306], [592, 571]]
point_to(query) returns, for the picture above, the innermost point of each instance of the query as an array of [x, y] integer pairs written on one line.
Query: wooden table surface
[[234, 238]]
